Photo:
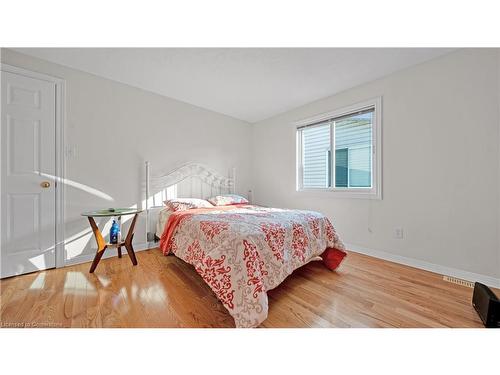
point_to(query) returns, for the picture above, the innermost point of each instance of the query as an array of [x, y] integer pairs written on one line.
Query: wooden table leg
[[128, 241], [101, 244]]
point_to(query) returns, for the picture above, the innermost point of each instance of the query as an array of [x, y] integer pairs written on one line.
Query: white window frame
[[375, 192]]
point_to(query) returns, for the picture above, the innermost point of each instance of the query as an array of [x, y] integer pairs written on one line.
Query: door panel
[[28, 154], [22, 159]]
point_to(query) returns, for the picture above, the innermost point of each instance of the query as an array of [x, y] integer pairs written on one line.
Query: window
[[353, 169]]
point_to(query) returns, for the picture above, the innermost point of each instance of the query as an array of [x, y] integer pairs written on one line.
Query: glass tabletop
[[112, 212]]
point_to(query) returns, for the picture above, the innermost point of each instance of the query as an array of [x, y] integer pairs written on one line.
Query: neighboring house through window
[[354, 134]]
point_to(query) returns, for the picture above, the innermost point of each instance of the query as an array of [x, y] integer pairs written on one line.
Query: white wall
[[498, 218], [441, 175], [441, 159], [115, 128]]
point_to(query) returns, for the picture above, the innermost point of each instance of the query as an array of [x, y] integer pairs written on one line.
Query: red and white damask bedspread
[[243, 251]]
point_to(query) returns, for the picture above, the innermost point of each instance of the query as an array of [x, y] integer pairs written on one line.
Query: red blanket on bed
[[242, 251]]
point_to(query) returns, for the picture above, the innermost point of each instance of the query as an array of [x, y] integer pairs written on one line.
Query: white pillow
[[183, 204], [227, 199]]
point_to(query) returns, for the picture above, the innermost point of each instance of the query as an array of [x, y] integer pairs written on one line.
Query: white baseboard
[[436, 268], [84, 258]]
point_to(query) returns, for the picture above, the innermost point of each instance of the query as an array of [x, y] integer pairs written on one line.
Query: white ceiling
[[250, 84]]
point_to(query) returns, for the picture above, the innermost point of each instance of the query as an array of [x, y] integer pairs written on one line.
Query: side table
[[101, 243]]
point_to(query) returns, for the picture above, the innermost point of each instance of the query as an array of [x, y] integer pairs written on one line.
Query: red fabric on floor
[[333, 257]]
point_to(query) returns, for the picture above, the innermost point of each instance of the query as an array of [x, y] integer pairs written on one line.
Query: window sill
[[336, 193]]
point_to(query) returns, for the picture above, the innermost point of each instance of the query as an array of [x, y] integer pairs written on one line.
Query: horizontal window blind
[[338, 118]]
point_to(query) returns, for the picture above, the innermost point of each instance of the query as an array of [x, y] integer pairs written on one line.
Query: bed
[[242, 250]]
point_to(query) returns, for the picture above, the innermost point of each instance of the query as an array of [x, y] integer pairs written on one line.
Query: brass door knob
[[45, 184]]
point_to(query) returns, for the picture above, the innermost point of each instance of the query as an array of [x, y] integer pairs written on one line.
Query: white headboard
[[191, 180]]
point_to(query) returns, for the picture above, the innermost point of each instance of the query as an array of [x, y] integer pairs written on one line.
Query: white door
[[28, 163]]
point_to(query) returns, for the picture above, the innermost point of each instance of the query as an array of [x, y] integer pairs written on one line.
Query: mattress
[[162, 221]]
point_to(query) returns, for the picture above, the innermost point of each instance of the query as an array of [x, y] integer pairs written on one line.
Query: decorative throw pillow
[[333, 257], [227, 199], [183, 204]]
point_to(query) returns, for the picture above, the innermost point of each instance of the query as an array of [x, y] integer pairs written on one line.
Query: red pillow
[[333, 257]]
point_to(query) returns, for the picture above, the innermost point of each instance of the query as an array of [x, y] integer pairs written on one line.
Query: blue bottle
[[113, 233]]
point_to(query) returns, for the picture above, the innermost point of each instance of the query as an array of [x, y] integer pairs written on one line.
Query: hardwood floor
[[166, 292]]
